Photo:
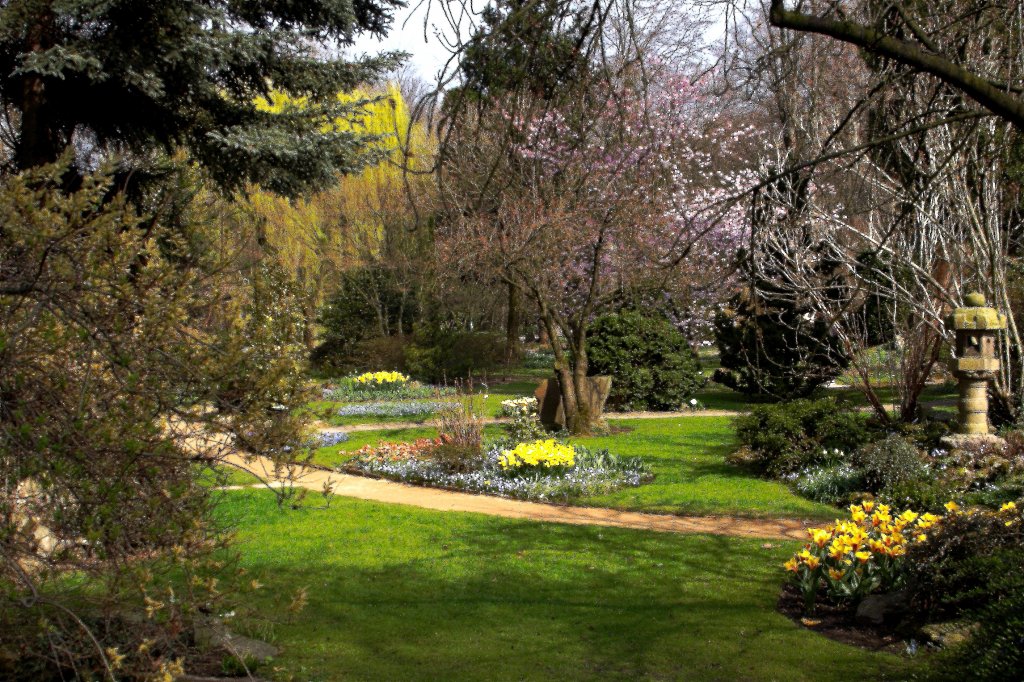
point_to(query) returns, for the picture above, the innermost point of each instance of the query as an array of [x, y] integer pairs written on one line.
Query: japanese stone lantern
[[976, 363]]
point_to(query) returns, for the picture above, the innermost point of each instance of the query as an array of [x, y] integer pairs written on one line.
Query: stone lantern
[[976, 363]]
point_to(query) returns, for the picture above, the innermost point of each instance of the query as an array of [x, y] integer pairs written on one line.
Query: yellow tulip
[[819, 536]]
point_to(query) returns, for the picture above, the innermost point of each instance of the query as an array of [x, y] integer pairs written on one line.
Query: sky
[[428, 52]]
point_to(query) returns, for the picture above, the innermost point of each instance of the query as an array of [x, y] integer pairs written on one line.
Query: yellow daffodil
[[547, 453], [1008, 507], [381, 378], [952, 507]]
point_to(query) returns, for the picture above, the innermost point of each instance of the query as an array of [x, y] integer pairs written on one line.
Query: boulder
[[879, 609], [549, 404], [550, 410], [948, 634]]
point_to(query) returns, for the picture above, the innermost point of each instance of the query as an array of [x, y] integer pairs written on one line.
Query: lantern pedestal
[[976, 363]]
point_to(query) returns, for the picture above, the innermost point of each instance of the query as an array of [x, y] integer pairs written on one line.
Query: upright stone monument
[[977, 328], [550, 410]]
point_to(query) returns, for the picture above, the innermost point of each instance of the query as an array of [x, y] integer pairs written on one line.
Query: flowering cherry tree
[[624, 187]]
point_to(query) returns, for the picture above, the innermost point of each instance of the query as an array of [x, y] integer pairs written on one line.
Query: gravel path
[[444, 500]]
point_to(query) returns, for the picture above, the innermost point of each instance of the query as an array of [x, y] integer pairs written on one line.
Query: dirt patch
[[838, 623]]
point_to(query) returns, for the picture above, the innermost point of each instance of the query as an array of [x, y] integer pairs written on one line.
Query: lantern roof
[[976, 316]]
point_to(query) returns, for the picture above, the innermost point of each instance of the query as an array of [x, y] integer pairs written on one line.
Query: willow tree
[[362, 218]]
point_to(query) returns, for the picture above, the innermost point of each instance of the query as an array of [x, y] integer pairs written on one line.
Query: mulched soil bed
[[837, 622]]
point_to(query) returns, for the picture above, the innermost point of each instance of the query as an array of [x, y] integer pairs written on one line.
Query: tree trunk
[[513, 324], [581, 402], [40, 139]]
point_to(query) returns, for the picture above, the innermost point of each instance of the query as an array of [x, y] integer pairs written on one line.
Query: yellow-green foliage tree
[[364, 217]]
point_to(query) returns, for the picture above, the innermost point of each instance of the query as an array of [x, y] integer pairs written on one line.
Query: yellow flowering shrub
[[852, 558], [541, 453], [381, 379]]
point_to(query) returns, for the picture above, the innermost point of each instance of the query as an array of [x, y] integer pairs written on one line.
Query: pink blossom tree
[[626, 186]]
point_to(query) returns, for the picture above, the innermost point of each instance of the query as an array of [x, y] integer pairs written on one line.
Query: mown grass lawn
[[398, 593], [687, 456]]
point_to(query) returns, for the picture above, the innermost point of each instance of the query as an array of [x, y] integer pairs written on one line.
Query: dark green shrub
[[379, 353], [650, 361], [889, 462], [775, 349], [921, 494], [370, 302], [972, 569], [786, 437], [439, 354], [1009, 489]]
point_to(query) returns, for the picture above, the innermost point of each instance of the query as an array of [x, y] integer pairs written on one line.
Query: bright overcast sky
[[428, 54]]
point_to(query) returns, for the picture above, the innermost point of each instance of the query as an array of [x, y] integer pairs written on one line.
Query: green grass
[[497, 392], [226, 475], [687, 456], [398, 593]]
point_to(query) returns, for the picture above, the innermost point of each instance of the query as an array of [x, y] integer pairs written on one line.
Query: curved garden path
[[445, 500]]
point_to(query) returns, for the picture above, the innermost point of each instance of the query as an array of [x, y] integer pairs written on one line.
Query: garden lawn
[[398, 593], [687, 456]]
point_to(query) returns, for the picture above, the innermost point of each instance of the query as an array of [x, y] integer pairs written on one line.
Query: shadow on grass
[[398, 593]]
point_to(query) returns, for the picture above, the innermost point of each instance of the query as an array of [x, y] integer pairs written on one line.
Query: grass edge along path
[[379, 490]]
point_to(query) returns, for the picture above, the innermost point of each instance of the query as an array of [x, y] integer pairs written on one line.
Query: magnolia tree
[[623, 188]]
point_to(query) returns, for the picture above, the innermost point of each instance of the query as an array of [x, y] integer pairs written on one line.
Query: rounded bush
[[650, 361], [971, 570], [890, 462], [786, 437], [775, 350], [439, 354]]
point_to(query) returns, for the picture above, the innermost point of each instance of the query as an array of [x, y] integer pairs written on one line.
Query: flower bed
[[394, 408], [851, 559], [349, 391], [588, 473], [329, 438]]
